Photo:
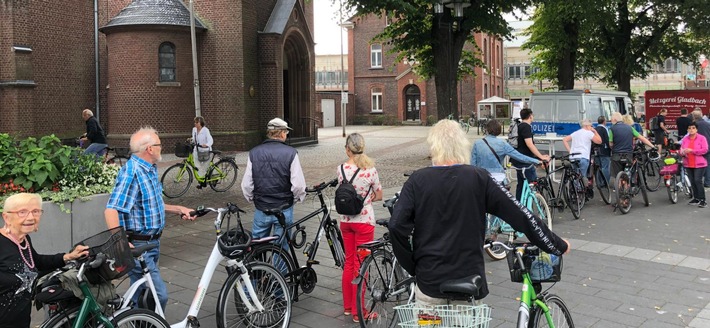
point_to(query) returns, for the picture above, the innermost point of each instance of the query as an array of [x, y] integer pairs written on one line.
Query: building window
[[671, 65], [514, 72], [376, 96], [166, 60], [376, 55]]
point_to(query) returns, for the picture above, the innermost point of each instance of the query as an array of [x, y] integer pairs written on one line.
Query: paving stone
[[642, 254], [695, 263], [617, 250], [669, 258]]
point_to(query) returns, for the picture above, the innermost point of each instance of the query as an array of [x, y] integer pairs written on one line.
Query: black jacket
[[94, 132], [446, 208]]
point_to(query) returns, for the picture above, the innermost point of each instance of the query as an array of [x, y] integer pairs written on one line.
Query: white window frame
[[376, 100], [376, 55]]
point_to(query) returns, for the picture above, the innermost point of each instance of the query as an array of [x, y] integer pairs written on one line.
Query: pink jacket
[[699, 145]]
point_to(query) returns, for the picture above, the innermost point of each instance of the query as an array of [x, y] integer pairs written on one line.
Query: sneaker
[[694, 202], [702, 204]]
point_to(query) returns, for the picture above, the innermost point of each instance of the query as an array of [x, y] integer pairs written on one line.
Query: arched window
[[166, 60]]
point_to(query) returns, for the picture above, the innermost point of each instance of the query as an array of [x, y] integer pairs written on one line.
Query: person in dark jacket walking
[[444, 208], [94, 134], [273, 179], [703, 130], [603, 149]]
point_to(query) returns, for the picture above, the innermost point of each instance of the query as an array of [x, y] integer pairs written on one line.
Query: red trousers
[[354, 234]]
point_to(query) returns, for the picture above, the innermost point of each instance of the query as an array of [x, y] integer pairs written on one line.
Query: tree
[[436, 41]]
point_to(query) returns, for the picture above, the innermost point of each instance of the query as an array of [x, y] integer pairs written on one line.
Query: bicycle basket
[[182, 149], [119, 260], [543, 267], [468, 316], [669, 169], [122, 151]]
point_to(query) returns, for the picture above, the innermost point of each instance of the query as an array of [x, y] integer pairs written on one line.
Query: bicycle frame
[[190, 162], [89, 305]]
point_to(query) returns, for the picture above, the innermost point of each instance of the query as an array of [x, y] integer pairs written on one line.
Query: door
[[412, 103], [328, 108]]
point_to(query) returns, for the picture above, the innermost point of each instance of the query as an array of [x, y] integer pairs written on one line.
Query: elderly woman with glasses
[[20, 264]]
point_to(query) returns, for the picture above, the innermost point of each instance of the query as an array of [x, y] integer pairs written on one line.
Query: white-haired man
[[581, 144]]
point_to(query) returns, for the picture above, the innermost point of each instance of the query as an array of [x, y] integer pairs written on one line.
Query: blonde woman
[[360, 228]]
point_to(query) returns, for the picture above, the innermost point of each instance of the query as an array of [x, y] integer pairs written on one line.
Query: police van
[[560, 112]]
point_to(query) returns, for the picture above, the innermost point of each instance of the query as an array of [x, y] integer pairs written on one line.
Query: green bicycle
[[465, 126], [177, 179]]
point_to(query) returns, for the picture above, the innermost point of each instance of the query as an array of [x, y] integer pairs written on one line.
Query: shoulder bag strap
[[491, 148], [345, 177]]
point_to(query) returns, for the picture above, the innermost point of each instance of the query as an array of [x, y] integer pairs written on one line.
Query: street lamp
[[343, 94]]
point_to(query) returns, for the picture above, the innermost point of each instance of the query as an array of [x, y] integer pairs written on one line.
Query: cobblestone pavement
[[650, 268]]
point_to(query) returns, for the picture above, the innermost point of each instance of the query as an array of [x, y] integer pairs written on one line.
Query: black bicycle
[[269, 250], [597, 179], [571, 191], [632, 180]]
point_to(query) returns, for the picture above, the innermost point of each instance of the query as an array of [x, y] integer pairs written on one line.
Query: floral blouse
[[365, 178]]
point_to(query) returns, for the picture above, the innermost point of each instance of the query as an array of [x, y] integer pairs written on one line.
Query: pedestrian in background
[[94, 134], [694, 146], [526, 146], [488, 153], [357, 229], [682, 123], [581, 145], [603, 149], [273, 179], [704, 130], [203, 145]]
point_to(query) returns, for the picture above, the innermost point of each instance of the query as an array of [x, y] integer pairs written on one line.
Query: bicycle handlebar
[[201, 211], [323, 185], [525, 247]]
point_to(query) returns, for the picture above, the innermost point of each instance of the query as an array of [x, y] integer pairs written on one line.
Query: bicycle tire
[[652, 175], [672, 188], [644, 192], [687, 189], [270, 287], [336, 245], [118, 160], [546, 192], [228, 174], [573, 199], [603, 186], [139, 318], [63, 319], [496, 253], [560, 314], [544, 210], [623, 194], [466, 127], [374, 296], [280, 259], [176, 180]]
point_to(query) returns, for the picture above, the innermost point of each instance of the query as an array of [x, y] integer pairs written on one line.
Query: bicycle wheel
[[573, 198], [542, 210], [336, 245], [559, 313], [546, 191], [280, 259], [687, 190], [623, 192], [375, 299], [493, 233], [603, 186], [652, 175], [466, 127], [644, 193], [176, 180], [117, 160], [272, 291], [226, 170], [62, 319], [139, 318], [672, 188]]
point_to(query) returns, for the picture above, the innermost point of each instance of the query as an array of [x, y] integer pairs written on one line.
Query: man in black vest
[[273, 179], [94, 134], [621, 140]]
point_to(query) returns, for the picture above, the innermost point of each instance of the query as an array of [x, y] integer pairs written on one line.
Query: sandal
[[368, 317], [346, 312]]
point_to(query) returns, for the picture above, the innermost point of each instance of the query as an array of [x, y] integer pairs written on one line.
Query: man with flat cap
[[273, 179]]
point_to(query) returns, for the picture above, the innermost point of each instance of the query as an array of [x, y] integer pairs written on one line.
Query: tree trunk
[[568, 60], [447, 53]]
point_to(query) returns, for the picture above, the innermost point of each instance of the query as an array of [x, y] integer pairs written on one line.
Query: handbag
[[505, 184]]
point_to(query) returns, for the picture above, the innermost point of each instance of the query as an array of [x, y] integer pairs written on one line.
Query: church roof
[[154, 12], [279, 16]]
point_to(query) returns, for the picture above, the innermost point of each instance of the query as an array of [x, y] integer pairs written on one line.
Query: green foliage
[[384, 120], [59, 173]]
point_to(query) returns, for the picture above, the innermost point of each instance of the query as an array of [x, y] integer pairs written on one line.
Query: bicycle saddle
[[278, 210], [139, 250], [382, 222], [470, 285]]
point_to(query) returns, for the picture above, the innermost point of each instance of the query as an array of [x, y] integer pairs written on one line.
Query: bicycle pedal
[[312, 262]]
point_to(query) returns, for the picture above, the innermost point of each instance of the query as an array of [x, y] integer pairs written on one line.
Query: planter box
[[60, 231]]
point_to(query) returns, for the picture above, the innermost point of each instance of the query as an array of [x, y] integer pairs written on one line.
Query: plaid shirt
[[138, 198]]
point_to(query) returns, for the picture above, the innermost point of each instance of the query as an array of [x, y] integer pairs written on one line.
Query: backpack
[[653, 124], [513, 133], [347, 199]]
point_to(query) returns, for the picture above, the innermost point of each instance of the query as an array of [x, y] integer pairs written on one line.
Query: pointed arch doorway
[[296, 92], [412, 103]]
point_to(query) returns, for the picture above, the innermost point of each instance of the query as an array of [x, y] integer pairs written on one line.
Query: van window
[[542, 109], [568, 110], [594, 110], [609, 107]]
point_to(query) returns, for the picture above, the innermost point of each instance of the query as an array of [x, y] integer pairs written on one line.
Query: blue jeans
[[707, 174], [530, 174], [583, 167], [604, 162], [96, 148], [264, 223], [151, 258]]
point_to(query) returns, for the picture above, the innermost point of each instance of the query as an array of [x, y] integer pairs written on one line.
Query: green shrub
[[430, 120]]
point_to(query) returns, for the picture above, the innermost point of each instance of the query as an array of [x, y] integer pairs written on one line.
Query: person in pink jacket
[[693, 146]]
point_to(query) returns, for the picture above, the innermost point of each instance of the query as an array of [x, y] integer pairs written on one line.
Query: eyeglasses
[[156, 145], [23, 213]]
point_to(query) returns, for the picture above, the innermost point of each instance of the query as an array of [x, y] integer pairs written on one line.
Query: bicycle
[[598, 179], [382, 281], [534, 201], [674, 177], [256, 292], [284, 258], [630, 181], [110, 259], [651, 170], [110, 155], [571, 191], [177, 178], [465, 126]]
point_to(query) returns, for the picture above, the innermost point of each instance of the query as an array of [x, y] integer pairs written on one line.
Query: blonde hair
[[355, 143], [17, 200], [628, 119], [448, 143], [141, 139], [616, 116]]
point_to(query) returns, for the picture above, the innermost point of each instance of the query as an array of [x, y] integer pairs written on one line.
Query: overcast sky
[[326, 28]]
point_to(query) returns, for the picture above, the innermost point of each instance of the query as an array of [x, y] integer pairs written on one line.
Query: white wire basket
[[444, 316]]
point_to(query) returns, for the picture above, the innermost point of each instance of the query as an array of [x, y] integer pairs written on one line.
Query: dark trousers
[[530, 175], [696, 181]]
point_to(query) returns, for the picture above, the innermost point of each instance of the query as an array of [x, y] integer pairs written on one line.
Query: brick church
[[255, 61]]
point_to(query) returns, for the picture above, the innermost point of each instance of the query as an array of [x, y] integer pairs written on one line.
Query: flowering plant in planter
[[57, 172]]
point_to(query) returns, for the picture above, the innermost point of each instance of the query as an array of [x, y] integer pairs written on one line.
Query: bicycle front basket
[[122, 151], [543, 267], [468, 316], [119, 260], [182, 149]]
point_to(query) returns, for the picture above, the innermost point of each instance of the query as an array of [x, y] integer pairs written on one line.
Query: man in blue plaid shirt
[[136, 203]]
